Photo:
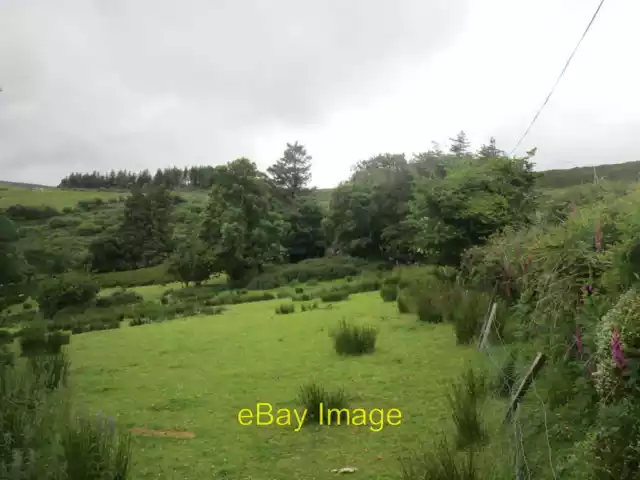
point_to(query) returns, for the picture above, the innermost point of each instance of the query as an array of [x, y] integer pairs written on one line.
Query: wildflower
[[616, 349]]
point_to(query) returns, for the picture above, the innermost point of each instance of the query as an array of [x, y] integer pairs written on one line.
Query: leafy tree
[[470, 203], [13, 266], [191, 262], [459, 144], [367, 213], [66, 292], [292, 172], [490, 150], [144, 238], [306, 238], [241, 227]]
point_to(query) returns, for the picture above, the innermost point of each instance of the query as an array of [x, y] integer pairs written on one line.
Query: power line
[[584, 34]]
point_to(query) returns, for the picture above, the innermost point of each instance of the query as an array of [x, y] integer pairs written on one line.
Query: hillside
[[617, 172]]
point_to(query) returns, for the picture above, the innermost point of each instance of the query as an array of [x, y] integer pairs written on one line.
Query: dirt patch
[[161, 433]]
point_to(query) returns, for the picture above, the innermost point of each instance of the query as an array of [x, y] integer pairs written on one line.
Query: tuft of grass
[[314, 396], [354, 339], [466, 312], [93, 448], [51, 369], [285, 308], [306, 307], [465, 400], [440, 463]]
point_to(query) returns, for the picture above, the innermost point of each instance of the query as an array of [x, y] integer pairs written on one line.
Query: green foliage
[[285, 308], [61, 293], [465, 400], [351, 339], [307, 307], [64, 222], [442, 462], [314, 396], [507, 376], [335, 296], [316, 269], [35, 340], [389, 292], [93, 448], [292, 172], [466, 309], [241, 227], [403, 300], [191, 263], [118, 298], [474, 200], [158, 275], [306, 236], [30, 212], [51, 369]]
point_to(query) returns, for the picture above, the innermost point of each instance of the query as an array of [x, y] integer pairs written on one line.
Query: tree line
[[199, 177], [430, 207]]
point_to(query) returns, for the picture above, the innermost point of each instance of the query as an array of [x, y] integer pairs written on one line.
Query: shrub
[[35, 340], [466, 311], [299, 290], [66, 292], [63, 222], [26, 213], [68, 210], [305, 297], [389, 293], [314, 397], [335, 296], [403, 302], [93, 448], [6, 337], [285, 308], [157, 275], [118, 298], [139, 321], [27, 305], [441, 463], [50, 369], [353, 339], [465, 401], [427, 309], [305, 307], [87, 229]]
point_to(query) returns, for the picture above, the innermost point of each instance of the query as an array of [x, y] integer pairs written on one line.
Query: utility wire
[[559, 77]]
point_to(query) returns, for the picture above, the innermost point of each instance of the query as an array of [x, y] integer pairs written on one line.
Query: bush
[[354, 340], [157, 275], [94, 449], [26, 213], [35, 340], [305, 307], [465, 401], [389, 293], [6, 337], [62, 293], [87, 229], [313, 269], [427, 309], [119, 298], [299, 290], [441, 463], [313, 397], [305, 297], [63, 222], [51, 369], [27, 305], [335, 296], [404, 305], [467, 311], [285, 308]]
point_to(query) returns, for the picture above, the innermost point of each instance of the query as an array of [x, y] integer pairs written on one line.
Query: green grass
[[52, 197], [197, 374]]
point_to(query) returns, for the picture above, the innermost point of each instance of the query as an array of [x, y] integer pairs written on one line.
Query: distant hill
[[618, 172], [23, 185]]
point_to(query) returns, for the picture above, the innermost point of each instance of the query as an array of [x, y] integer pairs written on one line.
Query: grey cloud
[[113, 84]]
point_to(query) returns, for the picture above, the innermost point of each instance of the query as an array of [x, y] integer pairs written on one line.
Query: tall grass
[[443, 462], [354, 339], [94, 449], [313, 395], [466, 401]]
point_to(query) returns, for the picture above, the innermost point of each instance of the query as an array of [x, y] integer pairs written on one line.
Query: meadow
[[196, 374]]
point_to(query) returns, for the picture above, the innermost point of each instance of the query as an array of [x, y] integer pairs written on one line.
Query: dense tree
[[292, 172], [470, 203], [241, 227], [191, 262], [13, 266], [306, 238], [144, 238], [366, 213], [459, 144], [490, 150]]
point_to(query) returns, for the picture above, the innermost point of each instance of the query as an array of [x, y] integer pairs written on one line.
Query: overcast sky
[[110, 84]]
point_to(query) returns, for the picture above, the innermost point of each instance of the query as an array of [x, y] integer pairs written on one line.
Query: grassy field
[[195, 375], [51, 197]]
